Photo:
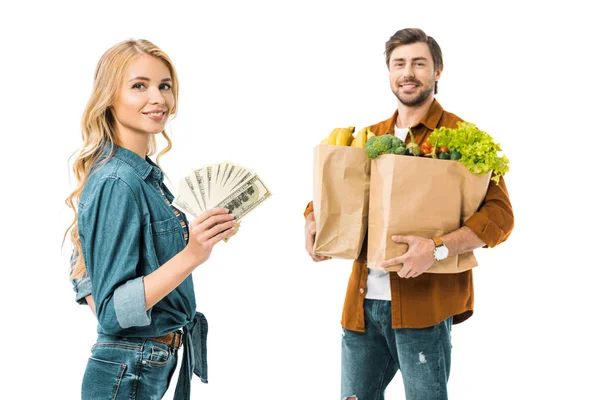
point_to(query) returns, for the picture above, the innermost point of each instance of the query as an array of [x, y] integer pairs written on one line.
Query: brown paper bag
[[340, 200], [421, 197]]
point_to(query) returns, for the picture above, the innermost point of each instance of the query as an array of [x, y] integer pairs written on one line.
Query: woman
[[138, 250]]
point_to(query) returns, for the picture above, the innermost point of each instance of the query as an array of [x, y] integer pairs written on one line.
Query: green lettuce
[[480, 154]]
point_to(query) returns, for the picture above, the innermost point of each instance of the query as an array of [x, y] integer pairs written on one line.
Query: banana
[[369, 136], [340, 137], [344, 136], [332, 136], [360, 138]]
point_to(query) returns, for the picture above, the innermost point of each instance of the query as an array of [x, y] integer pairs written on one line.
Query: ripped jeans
[[370, 359]]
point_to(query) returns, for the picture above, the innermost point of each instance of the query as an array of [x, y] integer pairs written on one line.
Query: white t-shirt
[[378, 281]]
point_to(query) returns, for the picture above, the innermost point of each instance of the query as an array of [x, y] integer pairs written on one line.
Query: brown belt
[[174, 339]]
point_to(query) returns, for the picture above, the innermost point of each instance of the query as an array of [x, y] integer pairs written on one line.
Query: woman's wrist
[[189, 259]]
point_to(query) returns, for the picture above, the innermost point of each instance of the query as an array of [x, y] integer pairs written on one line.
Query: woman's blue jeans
[[128, 368], [370, 359]]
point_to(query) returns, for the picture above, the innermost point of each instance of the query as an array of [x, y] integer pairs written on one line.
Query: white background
[[261, 84]]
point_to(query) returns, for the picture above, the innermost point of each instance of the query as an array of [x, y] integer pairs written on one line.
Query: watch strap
[[438, 241]]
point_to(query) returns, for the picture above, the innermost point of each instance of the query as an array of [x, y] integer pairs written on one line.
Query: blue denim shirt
[[128, 230]]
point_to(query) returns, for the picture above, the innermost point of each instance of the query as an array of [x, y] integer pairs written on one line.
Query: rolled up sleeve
[[494, 220], [82, 288], [110, 228], [130, 304]]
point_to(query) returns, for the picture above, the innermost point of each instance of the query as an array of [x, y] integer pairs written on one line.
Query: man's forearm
[[461, 241]]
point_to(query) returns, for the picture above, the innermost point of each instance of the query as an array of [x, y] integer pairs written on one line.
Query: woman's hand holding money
[[208, 229]]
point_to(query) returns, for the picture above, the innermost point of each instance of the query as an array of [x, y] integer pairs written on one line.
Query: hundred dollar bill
[[185, 198], [200, 184], [246, 198], [247, 176], [182, 204], [188, 180], [208, 182], [230, 169]]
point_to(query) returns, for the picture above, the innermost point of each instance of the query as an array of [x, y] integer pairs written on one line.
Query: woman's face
[[144, 98]]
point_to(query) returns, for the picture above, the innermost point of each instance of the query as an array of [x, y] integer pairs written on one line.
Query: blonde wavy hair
[[98, 126]]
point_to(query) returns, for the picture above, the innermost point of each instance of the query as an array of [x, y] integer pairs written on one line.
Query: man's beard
[[417, 101]]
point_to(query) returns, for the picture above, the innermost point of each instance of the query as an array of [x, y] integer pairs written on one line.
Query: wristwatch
[[441, 251]]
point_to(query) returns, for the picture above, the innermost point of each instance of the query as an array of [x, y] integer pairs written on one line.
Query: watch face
[[441, 253]]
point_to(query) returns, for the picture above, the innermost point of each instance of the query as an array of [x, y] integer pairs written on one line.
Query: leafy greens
[[478, 149]]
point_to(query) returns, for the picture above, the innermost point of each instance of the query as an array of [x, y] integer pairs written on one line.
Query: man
[[402, 321]]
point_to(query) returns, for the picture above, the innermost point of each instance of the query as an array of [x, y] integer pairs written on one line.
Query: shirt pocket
[[167, 238]]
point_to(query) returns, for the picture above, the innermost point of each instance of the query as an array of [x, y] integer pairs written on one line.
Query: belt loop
[[177, 343]]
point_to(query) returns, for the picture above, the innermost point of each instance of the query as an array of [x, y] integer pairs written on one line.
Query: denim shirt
[[128, 230]]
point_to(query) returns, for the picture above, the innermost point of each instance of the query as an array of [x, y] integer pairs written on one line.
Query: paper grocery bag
[[340, 199], [421, 197]]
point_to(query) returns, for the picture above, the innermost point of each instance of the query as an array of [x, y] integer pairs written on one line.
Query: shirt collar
[[433, 116], [430, 120], [143, 167]]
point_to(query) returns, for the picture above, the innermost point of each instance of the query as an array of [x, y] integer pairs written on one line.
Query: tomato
[[444, 149], [425, 148]]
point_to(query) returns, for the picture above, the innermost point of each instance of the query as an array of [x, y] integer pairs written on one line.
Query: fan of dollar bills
[[226, 185]]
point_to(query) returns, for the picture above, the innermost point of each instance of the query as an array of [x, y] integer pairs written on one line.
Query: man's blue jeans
[[370, 359]]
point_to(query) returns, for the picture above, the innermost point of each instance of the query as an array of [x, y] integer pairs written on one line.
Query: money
[[226, 185], [246, 198]]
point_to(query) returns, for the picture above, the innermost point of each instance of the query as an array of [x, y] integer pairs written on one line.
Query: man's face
[[412, 76]]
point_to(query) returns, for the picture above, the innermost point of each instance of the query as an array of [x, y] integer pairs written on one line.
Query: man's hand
[[310, 230], [416, 260]]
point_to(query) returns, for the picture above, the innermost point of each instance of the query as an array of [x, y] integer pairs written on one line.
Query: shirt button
[[361, 290]]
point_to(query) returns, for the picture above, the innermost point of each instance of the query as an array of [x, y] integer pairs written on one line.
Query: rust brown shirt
[[430, 298]]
